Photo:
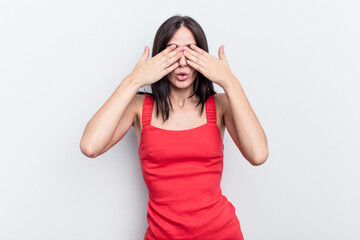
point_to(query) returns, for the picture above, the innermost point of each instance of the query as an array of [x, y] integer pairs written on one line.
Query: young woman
[[180, 127]]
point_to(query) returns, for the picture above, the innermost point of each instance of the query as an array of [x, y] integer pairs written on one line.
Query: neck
[[179, 97]]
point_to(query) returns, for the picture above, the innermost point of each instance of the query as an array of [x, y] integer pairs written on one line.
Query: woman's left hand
[[215, 69]]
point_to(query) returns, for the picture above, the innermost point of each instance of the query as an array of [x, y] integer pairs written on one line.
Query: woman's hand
[[148, 71], [215, 69]]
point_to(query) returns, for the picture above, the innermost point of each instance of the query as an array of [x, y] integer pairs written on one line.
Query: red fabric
[[182, 170]]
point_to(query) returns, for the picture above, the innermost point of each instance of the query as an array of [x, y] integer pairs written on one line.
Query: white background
[[298, 62]]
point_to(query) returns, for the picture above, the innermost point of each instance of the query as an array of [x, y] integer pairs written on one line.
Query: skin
[[124, 107], [185, 114]]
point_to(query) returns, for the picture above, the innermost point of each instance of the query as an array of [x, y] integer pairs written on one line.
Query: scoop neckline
[[172, 130], [183, 130]]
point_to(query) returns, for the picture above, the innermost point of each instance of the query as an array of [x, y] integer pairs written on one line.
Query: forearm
[[251, 136], [102, 125]]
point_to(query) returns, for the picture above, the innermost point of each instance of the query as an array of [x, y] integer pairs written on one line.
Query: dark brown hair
[[203, 87]]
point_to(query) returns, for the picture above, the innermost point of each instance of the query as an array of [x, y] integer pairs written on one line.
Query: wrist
[[229, 82], [132, 81]]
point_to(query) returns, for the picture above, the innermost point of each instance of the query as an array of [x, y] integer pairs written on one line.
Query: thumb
[[145, 54], [222, 53]]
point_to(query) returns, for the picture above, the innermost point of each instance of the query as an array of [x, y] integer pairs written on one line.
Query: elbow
[[260, 159], [87, 151]]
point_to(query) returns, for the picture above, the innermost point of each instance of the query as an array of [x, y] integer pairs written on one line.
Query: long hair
[[203, 87]]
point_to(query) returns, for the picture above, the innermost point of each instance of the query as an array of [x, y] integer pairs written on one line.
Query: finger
[[222, 53], [192, 56], [170, 61], [197, 67], [145, 54], [201, 56], [197, 49], [170, 54], [167, 50], [170, 69]]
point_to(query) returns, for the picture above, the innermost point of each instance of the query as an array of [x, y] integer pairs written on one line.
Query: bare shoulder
[[221, 102], [221, 106], [138, 102], [219, 96], [139, 99]]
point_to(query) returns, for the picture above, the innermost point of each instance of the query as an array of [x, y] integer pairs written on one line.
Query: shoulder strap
[[210, 109], [147, 110]]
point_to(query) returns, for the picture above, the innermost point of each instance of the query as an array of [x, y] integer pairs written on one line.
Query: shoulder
[[219, 97], [138, 103], [221, 102]]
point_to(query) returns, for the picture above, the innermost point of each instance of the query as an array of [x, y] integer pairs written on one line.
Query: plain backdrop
[[298, 62]]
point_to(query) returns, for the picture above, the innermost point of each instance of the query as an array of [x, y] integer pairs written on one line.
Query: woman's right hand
[[148, 71]]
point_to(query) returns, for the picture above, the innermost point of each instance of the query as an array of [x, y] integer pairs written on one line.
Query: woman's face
[[182, 37]]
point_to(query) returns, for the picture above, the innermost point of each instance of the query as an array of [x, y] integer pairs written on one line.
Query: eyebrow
[[188, 45]]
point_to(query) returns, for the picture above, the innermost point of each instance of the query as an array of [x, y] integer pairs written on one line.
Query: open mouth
[[181, 76]]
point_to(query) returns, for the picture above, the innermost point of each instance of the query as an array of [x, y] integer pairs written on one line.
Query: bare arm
[[101, 127], [240, 119], [116, 116], [243, 125]]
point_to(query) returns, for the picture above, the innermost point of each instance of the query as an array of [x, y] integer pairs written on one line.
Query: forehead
[[183, 36]]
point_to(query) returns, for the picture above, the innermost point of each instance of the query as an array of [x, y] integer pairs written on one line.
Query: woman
[[181, 149]]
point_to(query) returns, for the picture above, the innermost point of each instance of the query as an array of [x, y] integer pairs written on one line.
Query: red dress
[[182, 170]]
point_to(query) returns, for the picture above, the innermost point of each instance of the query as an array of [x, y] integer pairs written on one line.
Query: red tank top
[[182, 170]]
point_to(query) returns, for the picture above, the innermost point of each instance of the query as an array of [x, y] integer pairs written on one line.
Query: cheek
[[194, 73], [171, 74]]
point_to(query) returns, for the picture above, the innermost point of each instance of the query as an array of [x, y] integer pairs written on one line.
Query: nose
[[182, 60]]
